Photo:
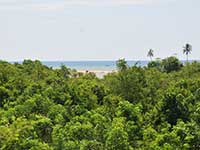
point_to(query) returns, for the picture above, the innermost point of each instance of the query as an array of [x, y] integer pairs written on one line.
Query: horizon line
[[99, 60]]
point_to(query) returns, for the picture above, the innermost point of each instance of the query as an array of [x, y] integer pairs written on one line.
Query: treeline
[[156, 107]]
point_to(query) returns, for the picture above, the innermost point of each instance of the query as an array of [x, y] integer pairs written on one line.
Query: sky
[[98, 29]]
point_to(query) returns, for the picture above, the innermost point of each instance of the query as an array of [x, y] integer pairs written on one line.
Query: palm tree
[[187, 50], [150, 54]]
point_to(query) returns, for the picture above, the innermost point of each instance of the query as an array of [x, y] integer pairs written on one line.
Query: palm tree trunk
[[187, 58]]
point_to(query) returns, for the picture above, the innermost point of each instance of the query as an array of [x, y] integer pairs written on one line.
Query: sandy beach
[[99, 73]]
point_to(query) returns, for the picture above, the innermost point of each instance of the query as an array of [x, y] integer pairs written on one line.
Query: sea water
[[91, 65]]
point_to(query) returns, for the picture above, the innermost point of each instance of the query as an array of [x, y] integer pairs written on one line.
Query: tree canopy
[[150, 108]]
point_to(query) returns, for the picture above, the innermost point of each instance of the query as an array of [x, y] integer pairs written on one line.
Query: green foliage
[[148, 108], [4, 95], [121, 65], [128, 84], [168, 65], [155, 64], [117, 137], [171, 64]]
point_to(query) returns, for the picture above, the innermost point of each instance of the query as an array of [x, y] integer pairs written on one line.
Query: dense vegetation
[[152, 108]]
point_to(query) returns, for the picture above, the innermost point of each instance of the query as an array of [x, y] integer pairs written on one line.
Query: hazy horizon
[[127, 60]]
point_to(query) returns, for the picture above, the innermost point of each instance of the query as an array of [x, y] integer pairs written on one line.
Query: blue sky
[[97, 29]]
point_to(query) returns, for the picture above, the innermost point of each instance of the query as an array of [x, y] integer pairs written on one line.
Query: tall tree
[[187, 50], [150, 54]]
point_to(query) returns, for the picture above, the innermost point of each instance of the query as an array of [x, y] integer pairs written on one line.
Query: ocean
[[91, 65]]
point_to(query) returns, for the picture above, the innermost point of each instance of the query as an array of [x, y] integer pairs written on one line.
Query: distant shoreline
[[98, 73]]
